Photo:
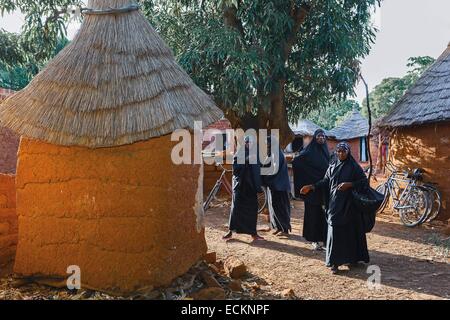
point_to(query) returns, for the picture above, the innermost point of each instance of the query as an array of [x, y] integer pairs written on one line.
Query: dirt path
[[411, 267]]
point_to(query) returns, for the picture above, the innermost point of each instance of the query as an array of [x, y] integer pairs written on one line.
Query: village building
[[96, 185], [420, 128], [9, 142], [354, 129]]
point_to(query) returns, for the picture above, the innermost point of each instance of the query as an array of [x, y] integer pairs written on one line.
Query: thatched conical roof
[[428, 101], [116, 83], [354, 126], [305, 127]]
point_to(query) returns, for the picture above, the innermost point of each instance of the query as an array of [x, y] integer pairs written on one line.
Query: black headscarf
[[348, 170], [247, 174], [278, 181], [310, 166]]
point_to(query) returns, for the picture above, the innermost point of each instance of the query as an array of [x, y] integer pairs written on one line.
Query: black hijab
[[278, 181], [247, 174], [348, 170], [310, 166]]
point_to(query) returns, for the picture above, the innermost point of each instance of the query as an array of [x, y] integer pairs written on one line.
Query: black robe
[[346, 239], [310, 167], [279, 187], [244, 204]]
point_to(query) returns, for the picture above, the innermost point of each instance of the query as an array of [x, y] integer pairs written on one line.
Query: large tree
[[267, 62], [264, 61]]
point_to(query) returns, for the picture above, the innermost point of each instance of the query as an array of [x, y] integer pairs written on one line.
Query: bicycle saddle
[[418, 173]]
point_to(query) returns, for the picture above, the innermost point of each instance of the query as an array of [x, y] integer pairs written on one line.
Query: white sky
[[407, 28]]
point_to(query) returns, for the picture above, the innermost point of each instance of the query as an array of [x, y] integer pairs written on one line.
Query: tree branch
[[299, 15], [231, 20]]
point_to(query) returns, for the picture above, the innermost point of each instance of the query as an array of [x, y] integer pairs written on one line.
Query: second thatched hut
[[420, 128]]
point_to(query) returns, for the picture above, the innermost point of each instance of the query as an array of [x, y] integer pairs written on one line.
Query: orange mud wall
[[124, 215], [8, 222], [427, 147]]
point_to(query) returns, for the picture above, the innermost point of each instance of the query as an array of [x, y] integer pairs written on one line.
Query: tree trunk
[[273, 118], [278, 115]]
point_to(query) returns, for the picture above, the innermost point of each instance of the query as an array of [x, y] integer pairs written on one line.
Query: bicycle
[[409, 199], [433, 193], [223, 181]]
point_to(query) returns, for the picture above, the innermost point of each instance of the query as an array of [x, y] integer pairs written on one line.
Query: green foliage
[[17, 65], [390, 90], [42, 36], [244, 51], [45, 23], [328, 117]]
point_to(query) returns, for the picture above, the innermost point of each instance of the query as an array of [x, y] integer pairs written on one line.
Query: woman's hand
[[344, 186], [306, 189]]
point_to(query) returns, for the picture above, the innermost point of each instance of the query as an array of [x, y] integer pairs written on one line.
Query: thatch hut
[[96, 186], [420, 124], [304, 131], [353, 129]]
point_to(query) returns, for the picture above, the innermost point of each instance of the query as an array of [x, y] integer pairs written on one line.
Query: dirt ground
[[412, 265]]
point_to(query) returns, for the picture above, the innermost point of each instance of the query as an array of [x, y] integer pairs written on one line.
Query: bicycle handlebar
[[220, 165]]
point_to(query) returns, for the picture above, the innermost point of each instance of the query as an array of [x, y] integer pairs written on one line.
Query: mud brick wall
[[125, 215], [427, 147], [8, 220]]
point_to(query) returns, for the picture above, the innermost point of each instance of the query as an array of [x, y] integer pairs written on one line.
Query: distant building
[[304, 131], [9, 142], [354, 129]]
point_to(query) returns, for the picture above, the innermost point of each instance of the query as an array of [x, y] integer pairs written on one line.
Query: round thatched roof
[[305, 127], [116, 83], [427, 101], [354, 126]]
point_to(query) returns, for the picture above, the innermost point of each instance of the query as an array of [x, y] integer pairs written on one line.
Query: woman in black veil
[[246, 185], [276, 179], [346, 239], [310, 167]]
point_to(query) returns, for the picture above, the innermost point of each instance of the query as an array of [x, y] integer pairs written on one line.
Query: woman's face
[[321, 139], [342, 154]]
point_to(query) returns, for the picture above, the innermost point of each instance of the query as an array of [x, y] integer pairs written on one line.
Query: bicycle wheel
[[436, 203], [382, 188], [415, 207], [262, 200]]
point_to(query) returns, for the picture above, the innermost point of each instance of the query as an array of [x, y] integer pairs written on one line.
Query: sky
[[407, 28]]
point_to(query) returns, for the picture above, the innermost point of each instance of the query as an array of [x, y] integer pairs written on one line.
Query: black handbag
[[367, 200]]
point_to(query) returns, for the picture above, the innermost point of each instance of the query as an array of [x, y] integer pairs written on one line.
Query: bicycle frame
[[223, 180], [393, 184], [215, 190]]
